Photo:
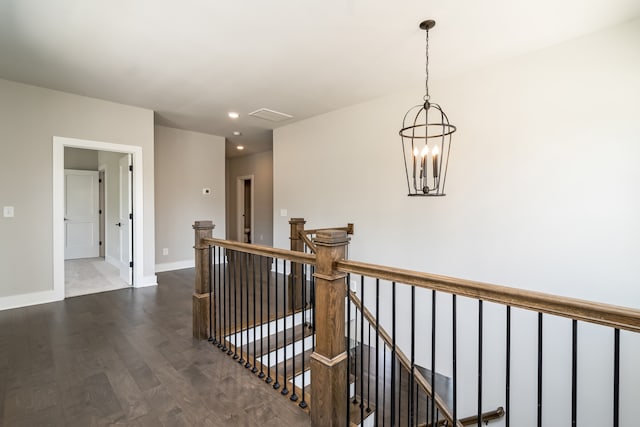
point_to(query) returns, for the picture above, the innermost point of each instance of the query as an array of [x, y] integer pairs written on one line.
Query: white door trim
[[240, 207], [59, 143]]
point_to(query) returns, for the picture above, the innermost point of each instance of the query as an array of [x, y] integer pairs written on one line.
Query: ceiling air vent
[[271, 115]]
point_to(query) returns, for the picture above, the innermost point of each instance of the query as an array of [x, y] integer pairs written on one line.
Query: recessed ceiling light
[[233, 114], [237, 133], [240, 147]]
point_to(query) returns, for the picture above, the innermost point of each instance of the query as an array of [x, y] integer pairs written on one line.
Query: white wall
[[29, 119], [260, 165], [186, 163], [80, 159], [542, 194]]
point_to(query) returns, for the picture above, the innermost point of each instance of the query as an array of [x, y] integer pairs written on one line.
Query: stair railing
[[431, 317], [440, 346]]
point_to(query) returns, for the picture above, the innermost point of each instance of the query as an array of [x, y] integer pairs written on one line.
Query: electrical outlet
[[206, 191], [165, 251]]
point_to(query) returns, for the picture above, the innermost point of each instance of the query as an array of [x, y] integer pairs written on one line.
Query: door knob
[[119, 224]]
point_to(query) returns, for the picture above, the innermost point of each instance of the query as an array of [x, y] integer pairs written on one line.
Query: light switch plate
[[283, 212], [7, 211]]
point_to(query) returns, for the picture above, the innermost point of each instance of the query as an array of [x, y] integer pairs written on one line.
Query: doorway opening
[[245, 211], [116, 200]]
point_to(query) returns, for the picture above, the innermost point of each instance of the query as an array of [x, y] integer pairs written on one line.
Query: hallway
[[126, 357], [89, 276]]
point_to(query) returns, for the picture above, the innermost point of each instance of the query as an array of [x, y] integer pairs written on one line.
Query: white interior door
[[125, 220], [81, 219]]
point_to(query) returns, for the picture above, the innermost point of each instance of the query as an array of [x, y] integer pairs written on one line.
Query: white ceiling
[[192, 61]]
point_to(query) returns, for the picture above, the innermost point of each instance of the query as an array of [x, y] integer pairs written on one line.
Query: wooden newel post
[[295, 277], [202, 230], [329, 360]]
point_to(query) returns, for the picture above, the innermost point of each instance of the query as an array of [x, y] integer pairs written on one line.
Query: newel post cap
[[331, 238], [203, 225]]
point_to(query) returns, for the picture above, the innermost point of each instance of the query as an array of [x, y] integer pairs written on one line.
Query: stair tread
[[306, 356], [355, 412], [294, 334]]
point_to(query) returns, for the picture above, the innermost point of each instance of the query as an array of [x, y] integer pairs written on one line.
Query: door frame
[[240, 206], [59, 144]]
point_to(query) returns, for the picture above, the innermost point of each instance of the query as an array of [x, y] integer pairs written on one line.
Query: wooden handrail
[[602, 314], [307, 240], [421, 381], [473, 420], [267, 251]]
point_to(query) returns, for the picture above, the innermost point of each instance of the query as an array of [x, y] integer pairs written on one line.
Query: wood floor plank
[[127, 358]]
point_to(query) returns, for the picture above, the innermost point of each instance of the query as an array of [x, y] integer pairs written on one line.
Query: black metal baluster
[[226, 301], [348, 348], [218, 295], [539, 369], [507, 391], [285, 390], [384, 383], [377, 344], [294, 396], [410, 407], [247, 323], [236, 268], [355, 355], [210, 339], [221, 281], [574, 371], [276, 384], [313, 305], [241, 359], [361, 348], [479, 361], [616, 378], [433, 354], [269, 379], [369, 369], [255, 322], [261, 264], [393, 354], [454, 328], [303, 279]]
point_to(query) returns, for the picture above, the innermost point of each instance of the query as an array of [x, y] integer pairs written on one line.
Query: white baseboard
[[178, 265], [25, 300], [147, 281]]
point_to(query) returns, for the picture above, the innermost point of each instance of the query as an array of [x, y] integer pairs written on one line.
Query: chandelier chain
[[426, 80]]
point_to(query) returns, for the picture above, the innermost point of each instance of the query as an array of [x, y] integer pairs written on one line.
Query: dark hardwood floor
[[126, 357]]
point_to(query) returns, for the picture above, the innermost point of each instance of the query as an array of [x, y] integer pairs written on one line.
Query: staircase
[[264, 319], [279, 352], [269, 310]]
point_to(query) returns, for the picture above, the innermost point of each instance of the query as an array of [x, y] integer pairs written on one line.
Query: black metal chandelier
[[426, 140]]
